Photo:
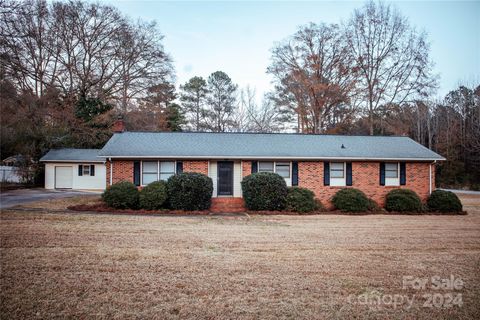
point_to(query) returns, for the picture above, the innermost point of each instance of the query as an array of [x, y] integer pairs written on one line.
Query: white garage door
[[63, 177]]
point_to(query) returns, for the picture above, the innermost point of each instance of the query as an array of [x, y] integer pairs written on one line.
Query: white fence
[[10, 174]]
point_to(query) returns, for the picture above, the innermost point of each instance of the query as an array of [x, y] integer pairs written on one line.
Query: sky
[[237, 37]]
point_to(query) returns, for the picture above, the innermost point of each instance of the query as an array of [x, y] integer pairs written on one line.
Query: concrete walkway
[[462, 191], [21, 196]]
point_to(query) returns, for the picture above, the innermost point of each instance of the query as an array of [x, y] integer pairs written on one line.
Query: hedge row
[[266, 191], [185, 191]]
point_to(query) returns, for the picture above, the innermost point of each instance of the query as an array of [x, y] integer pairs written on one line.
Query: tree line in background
[[70, 68]]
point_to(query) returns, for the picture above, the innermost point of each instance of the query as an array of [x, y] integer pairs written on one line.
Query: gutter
[[277, 157], [74, 161]]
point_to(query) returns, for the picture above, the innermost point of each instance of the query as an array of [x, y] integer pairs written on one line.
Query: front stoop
[[227, 204]]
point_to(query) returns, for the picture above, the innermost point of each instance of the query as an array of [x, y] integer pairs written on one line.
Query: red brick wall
[[122, 171], [246, 168], [196, 166], [365, 176]]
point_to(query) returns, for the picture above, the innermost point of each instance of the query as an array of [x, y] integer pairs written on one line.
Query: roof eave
[[274, 157], [75, 161]]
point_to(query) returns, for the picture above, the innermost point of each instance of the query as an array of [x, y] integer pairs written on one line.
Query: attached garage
[[63, 177], [78, 169]]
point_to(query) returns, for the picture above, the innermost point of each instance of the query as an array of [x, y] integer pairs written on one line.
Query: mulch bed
[[103, 208]]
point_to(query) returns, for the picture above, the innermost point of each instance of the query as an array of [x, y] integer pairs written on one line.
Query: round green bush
[[351, 200], [190, 191], [264, 191], [444, 201], [301, 200], [403, 200], [121, 195], [153, 196]]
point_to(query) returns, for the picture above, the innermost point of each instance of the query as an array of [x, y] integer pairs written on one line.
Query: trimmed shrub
[[190, 191], [319, 205], [351, 200], [403, 200], [301, 200], [372, 205], [264, 191], [153, 196], [444, 201], [121, 195]]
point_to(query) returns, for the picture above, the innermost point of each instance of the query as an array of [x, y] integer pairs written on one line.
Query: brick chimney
[[119, 125]]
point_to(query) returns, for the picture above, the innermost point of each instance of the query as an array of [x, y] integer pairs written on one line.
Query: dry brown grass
[[103, 266], [62, 203]]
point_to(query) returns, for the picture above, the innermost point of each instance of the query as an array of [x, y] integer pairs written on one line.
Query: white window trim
[[393, 182], [158, 169], [338, 182], [275, 167], [83, 170]]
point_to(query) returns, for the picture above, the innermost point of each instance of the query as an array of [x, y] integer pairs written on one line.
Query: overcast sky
[[236, 37]]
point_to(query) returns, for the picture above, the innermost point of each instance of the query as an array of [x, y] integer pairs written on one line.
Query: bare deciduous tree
[[314, 75], [252, 117], [84, 49], [393, 59]]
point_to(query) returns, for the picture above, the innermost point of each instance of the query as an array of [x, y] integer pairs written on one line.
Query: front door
[[225, 178]]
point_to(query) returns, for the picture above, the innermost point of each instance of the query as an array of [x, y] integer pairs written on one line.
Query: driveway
[[21, 196]]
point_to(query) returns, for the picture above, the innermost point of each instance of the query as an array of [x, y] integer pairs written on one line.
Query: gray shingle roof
[[72, 155], [261, 145]]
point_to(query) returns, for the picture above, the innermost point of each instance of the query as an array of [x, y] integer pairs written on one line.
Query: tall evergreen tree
[[222, 101], [193, 98]]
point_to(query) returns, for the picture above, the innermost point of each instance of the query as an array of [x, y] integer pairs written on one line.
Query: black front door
[[225, 178]]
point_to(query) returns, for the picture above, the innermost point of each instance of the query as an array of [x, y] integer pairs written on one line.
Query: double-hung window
[[392, 176], [149, 172], [337, 174], [86, 170], [264, 166], [280, 168], [167, 169], [157, 170], [283, 169]]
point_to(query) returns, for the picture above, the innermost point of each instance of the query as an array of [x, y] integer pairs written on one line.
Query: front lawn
[[67, 265]]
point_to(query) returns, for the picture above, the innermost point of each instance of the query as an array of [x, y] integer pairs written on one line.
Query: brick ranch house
[[321, 163]]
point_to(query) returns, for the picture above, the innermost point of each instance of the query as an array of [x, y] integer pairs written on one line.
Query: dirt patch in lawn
[[269, 267]]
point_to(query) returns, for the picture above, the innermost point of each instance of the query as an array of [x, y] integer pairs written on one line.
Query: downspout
[[111, 170], [430, 177]]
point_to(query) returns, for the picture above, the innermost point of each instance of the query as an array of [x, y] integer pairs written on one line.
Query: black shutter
[[403, 173], [326, 173], [92, 170], [294, 173], [179, 167], [136, 173], [254, 166], [349, 174], [80, 170], [382, 173]]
